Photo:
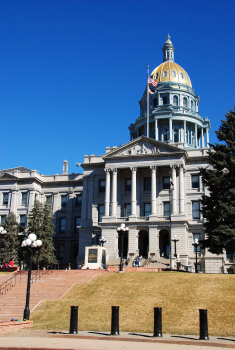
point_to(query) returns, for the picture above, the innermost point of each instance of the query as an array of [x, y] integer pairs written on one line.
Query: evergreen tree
[[219, 207], [10, 240], [40, 223]]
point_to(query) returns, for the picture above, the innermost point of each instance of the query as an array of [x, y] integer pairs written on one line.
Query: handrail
[[34, 277]]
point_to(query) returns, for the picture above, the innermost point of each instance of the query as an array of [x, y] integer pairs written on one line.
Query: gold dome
[[171, 71]]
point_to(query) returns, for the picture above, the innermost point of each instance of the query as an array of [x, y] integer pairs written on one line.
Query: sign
[[92, 256]]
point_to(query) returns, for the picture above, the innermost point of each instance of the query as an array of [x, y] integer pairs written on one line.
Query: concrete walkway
[[33, 339]]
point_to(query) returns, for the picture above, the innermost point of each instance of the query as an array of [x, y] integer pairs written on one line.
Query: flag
[[152, 82], [151, 92], [171, 184]]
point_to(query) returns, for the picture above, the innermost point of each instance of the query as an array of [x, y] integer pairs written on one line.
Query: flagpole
[[147, 100]]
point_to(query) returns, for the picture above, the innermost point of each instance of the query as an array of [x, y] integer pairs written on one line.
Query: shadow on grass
[[141, 335], [226, 339], [181, 336]]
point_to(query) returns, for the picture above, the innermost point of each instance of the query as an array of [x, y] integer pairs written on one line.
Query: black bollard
[[74, 320], [115, 320], [203, 324], [157, 322]]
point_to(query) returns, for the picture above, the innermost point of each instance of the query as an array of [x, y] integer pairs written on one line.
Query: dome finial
[[168, 50]]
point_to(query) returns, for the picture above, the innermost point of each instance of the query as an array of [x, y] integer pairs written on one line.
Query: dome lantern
[[168, 50]]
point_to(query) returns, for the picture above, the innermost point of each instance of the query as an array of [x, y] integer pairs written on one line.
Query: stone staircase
[[53, 285]]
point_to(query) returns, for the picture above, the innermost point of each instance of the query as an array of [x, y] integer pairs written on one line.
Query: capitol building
[[151, 184]]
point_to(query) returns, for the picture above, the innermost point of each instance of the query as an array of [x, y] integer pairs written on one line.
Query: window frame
[[194, 183], [165, 100], [23, 224], [24, 198], [79, 202], [166, 211], [77, 224], [197, 210], [50, 203], [147, 184], [185, 102], [60, 251], [100, 214], [62, 225], [102, 187], [128, 186], [64, 202], [127, 210], [166, 186], [3, 221], [175, 100], [4, 201], [147, 212]]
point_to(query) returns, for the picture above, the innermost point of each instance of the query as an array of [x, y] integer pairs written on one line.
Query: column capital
[[153, 167], [107, 170], [114, 170], [173, 166], [133, 168], [181, 166]]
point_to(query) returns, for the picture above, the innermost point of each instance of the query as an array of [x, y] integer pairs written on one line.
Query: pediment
[[143, 146], [6, 176]]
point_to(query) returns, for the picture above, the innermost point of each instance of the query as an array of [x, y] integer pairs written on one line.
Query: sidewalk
[[36, 339]]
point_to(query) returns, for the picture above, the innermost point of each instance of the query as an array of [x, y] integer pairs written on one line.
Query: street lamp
[[30, 243], [196, 244], [2, 232], [121, 231], [102, 241], [175, 240]]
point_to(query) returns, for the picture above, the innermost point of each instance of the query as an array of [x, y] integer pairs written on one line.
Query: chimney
[[65, 167]]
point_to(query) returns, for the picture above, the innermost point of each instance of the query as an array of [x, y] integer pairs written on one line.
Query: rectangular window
[[147, 209], [101, 186], [49, 201], [3, 219], [23, 220], [60, 251], [166, 208], [100, 212], [77, 224], [127, 211], [128, 185], [196, 210], [24, 199], [198, 267], [62, 225], [166, 183], [5, 198], [195, 181], [79, 200], [147, 183], [196, 236], [63, 201]]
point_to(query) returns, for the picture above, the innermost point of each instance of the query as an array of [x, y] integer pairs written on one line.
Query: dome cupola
[[168, 50]]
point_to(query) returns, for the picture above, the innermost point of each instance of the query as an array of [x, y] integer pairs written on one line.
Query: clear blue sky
[[72, 71]]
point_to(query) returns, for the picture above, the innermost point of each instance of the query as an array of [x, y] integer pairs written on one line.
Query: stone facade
[[151, 184]]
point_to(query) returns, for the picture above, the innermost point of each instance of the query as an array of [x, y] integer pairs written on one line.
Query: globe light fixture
[[175, 239], [196, 243]]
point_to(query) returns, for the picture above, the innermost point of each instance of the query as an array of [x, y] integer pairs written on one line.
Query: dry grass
[[5, 273], [180, 295]]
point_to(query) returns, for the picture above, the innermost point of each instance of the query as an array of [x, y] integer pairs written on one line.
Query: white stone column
[[173, 176], [107, 192], [202, 131], [181, 192], [14, 194], [207, 137], [156, 129], [133, 191], [114, 193], [185, 132], [170, 129], [153, 190], [196, 135]]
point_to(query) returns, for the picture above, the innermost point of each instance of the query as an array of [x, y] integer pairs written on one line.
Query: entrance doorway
[[125, 244], [143, 243], [164, 243]]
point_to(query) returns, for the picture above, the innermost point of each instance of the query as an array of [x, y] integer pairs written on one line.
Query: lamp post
[[121, 231], [196, 244], [102, 241], [175, 240], [29, 243], [2, 232]]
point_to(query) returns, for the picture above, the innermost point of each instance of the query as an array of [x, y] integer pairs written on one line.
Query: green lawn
[[180, 295]]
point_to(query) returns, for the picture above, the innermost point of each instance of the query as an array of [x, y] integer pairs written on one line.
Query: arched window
[[173, 74], [155, 102], [185, 102], [181, 76], [164, 74], [164, 100], [175, 101], [192, 105], [156, 76], [176, 135], [187, 136], [164, 134]]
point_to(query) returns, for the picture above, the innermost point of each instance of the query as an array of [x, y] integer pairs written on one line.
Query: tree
[[218, 208], [10, 240], [40, 223]]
